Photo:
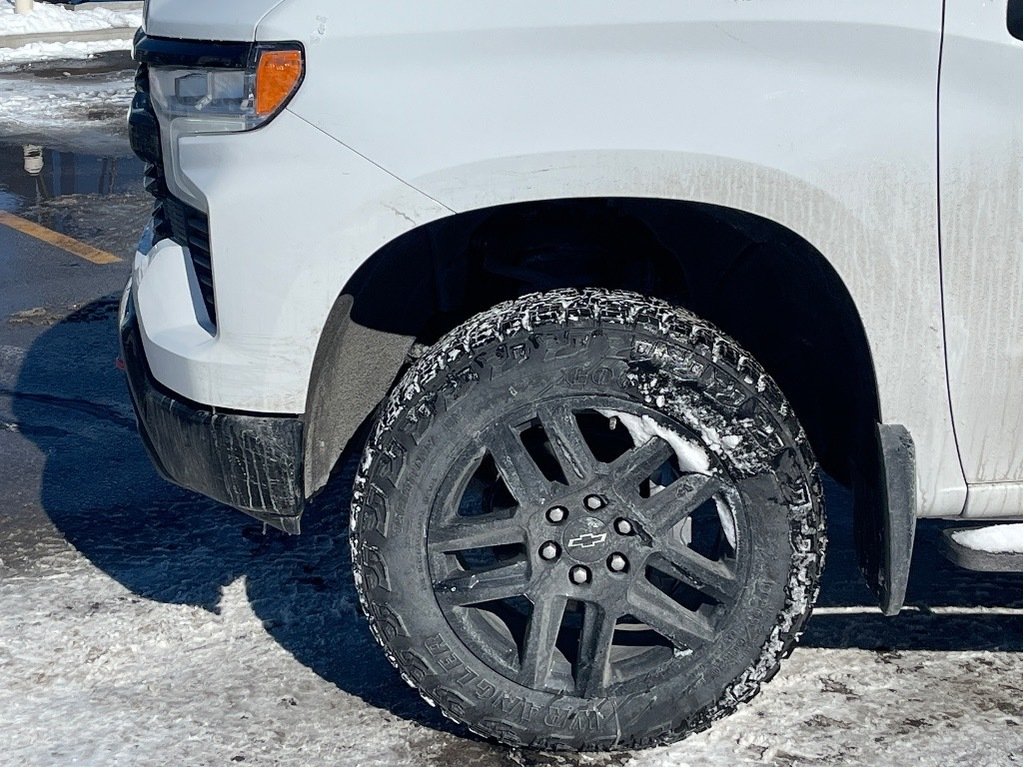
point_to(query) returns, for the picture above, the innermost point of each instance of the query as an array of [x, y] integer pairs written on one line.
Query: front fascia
[[820, 115], [292, 215]]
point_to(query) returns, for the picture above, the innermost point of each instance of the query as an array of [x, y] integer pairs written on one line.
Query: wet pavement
[[141, 624], [65, 162]]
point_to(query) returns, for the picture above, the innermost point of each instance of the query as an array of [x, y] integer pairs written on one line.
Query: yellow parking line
[[65, 243]]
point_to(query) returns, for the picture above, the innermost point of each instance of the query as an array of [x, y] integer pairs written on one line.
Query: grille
[[172, 218]]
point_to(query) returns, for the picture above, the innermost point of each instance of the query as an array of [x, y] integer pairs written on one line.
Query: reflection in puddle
[[31, 175], [85, 196]]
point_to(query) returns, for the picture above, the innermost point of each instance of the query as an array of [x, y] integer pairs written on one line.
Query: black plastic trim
[[899, 514], [1015, 18], [249, 461], [169, 52], [172, 218]]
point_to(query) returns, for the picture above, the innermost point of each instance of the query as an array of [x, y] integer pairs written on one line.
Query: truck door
[[980, 231]]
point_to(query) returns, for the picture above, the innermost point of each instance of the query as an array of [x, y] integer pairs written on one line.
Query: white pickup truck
[[606, 281]]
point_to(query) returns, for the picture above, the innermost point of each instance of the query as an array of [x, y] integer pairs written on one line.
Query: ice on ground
[[58, 103], [1006, 537], [46, 18], [67, 50], [70, 115], [157, 628], [828, 707]]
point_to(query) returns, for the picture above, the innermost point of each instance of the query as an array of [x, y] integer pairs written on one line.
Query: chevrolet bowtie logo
[[588, 540]]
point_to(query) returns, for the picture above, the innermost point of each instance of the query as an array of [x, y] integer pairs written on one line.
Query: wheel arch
[[718, 261]]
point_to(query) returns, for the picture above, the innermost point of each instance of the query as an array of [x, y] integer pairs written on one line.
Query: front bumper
[[251, 462]]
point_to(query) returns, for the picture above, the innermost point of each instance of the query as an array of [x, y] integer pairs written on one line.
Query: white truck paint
[[203, 20], [819, 115], [980, 212], [260, 355]]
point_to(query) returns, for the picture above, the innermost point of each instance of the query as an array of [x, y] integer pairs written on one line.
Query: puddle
[[65, 162], [32, 176], [94, 198]]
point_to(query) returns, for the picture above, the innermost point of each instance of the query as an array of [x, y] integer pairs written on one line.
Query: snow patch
[[716, 442], [1007, 537], [66, 50], [691, 457], [11, 361], [728, 523], [46, 18], [61, 105]]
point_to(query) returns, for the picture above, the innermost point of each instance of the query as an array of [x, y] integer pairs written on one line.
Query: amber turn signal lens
[[277, 76]]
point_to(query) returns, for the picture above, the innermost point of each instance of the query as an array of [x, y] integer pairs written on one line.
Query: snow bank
[[68, 50], [993, 538], [54, 18]]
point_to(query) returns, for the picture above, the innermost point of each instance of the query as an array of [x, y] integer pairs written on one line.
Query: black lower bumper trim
[[252, 463]]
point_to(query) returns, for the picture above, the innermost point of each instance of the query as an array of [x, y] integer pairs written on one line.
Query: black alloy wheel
[[615, 587]]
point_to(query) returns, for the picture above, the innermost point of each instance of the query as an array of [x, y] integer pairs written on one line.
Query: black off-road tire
[[620, 352]]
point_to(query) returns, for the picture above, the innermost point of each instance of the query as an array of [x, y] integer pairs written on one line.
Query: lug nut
[[549, 550], [579, 574], [617, 562], [557, 514], [593, 502], [623, 526]]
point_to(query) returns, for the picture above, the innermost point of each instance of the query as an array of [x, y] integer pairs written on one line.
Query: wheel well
[[758, 281]]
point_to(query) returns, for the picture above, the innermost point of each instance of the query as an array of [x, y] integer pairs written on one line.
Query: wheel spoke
[[572, 451], [539, 648], [667, 507], [483, 532], [632, 467], [592, 668], [711, 577], [470, 588], [521, 474], [685, 629]]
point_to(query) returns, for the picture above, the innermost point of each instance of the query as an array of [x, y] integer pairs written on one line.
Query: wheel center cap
[[586, 540]]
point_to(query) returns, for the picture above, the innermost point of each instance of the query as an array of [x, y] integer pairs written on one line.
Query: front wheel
[[587, 520]]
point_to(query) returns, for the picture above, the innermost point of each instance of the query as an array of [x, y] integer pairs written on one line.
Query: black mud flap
[[886, 517]]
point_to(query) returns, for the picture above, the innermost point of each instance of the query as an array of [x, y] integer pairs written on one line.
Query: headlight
[[215, 100], [199, 87]]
